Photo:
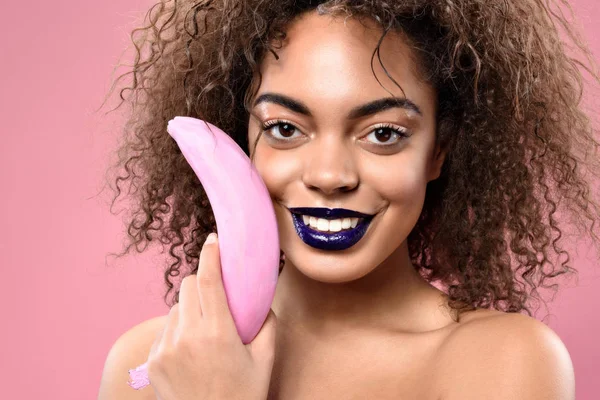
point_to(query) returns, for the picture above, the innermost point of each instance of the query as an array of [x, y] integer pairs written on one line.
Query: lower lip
[[330, 240]]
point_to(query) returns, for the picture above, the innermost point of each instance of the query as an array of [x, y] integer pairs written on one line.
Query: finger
[[156, 343], [213, 299], [190, 312], [262, 346], [170, 330]]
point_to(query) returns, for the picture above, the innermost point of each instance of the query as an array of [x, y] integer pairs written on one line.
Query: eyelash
[[400, 133]]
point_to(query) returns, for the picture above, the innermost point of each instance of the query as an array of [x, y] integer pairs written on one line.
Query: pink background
[[61, 319]]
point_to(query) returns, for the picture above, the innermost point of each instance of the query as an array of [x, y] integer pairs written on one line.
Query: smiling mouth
[[331, 225], [330, 220], [328, 213], [330, 232]]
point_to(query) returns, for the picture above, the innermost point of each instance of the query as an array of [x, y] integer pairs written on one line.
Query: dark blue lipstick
[[328, 213], [341, 240]]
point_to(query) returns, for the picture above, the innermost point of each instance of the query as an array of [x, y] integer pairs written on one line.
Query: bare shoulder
[[129, 350], [497, 355]]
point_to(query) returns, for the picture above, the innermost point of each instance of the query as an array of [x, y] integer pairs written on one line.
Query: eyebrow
[[361, 111]]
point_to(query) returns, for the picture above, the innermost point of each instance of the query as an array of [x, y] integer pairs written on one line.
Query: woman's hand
[[199, 354]]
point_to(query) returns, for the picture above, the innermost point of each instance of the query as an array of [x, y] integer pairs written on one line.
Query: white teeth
[[333, 225], [322, 224], [346, 223]]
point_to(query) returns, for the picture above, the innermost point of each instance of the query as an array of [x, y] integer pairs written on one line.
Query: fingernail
[[211, 238]]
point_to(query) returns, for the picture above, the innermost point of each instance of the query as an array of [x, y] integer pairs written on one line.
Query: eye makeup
[[394, 131]]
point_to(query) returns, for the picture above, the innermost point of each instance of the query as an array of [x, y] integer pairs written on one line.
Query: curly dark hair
[[510, 114]]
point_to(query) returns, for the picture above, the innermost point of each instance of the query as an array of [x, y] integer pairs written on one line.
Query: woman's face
[[338, 146]]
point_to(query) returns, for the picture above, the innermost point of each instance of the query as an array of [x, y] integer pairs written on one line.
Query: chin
[[328, 266]]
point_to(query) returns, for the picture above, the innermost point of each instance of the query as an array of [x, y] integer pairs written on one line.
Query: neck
[[392, 297]]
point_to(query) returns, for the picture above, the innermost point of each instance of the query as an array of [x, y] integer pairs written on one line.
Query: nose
[[330, 168]]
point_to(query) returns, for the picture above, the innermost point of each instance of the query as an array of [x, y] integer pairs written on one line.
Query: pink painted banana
[[246, 224]]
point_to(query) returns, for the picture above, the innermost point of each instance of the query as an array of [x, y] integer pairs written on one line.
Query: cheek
[[277, 170], [405, 185]]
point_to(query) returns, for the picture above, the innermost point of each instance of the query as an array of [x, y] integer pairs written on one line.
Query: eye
[[385, 132], [280, 130]]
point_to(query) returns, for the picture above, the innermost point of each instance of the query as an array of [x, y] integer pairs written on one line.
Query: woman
[[454, 127]]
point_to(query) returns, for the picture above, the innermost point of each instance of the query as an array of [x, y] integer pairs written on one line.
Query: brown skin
[[508, 114], [362, 323], [514, 137], [331, 161]]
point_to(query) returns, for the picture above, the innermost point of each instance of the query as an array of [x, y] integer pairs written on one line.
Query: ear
[[435, 167]]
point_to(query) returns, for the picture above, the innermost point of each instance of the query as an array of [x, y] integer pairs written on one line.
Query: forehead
[[329, 58]]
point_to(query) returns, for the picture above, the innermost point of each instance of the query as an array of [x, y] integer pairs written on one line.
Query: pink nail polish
[[211, 238]]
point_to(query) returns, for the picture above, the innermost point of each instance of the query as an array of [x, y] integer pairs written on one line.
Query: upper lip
[[328, 213]]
